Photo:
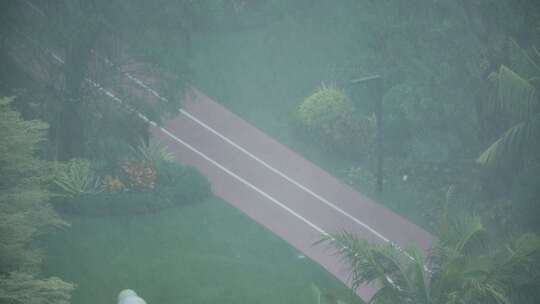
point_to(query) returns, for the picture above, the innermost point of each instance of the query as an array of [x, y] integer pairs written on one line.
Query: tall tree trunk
[[71, 135]]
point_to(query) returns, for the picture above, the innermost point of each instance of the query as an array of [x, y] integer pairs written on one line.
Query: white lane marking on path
[[195, 150], [309, 223], [286, 177], [291, 180], [294, 182], [206, 157], [265, 164], [367, 227], [245, 182], [262, 162]]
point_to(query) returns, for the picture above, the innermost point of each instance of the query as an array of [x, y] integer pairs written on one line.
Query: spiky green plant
[[151, 153], [76, 177]]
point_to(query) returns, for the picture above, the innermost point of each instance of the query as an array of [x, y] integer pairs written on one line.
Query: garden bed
[[175, 185]]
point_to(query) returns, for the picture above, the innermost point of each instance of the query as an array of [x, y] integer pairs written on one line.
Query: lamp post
[[377, 79]]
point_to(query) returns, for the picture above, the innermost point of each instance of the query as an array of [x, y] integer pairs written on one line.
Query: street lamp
[[377, 79]]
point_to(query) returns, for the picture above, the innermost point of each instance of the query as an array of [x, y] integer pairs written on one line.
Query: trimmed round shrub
[[323, 110], [175, 185], [329, 117]]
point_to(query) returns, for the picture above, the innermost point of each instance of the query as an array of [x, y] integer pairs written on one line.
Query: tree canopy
[[24, 212]]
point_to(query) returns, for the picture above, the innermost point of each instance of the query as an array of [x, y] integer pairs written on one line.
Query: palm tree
[[460, 269], [514, 104], [402, 279]]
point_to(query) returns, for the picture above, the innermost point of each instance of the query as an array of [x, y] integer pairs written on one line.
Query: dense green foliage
[[24, 213], [462, 268], [324, 108], [460, 105], [329, 117], [76, 49], [438, 60], [175, 185], [515, 106]]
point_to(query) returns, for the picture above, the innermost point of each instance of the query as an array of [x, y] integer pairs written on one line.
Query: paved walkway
[[276, 187]]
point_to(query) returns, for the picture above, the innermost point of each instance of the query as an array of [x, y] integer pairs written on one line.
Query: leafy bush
[[175, 185], [76, 177], [329, 116], [324, 109]]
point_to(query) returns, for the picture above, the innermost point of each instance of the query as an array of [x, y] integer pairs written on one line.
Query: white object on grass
[[128, 296]]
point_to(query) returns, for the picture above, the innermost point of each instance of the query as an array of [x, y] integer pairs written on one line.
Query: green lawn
[[200, 253]]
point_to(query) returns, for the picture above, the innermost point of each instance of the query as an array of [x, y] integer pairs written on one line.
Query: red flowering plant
[[139, 176], [138, 171]]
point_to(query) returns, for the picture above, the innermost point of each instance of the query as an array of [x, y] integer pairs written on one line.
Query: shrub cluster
[[172, 185], [329, 117]]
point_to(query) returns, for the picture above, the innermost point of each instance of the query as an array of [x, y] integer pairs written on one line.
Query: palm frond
[[497, 294], [460, 236], [385, 295], [418, 275], [519, 264], [515, 96], [358, 255], [529, 59], [370, 263], [520, 269], [513, 143], [472, 233], [469, 279]]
